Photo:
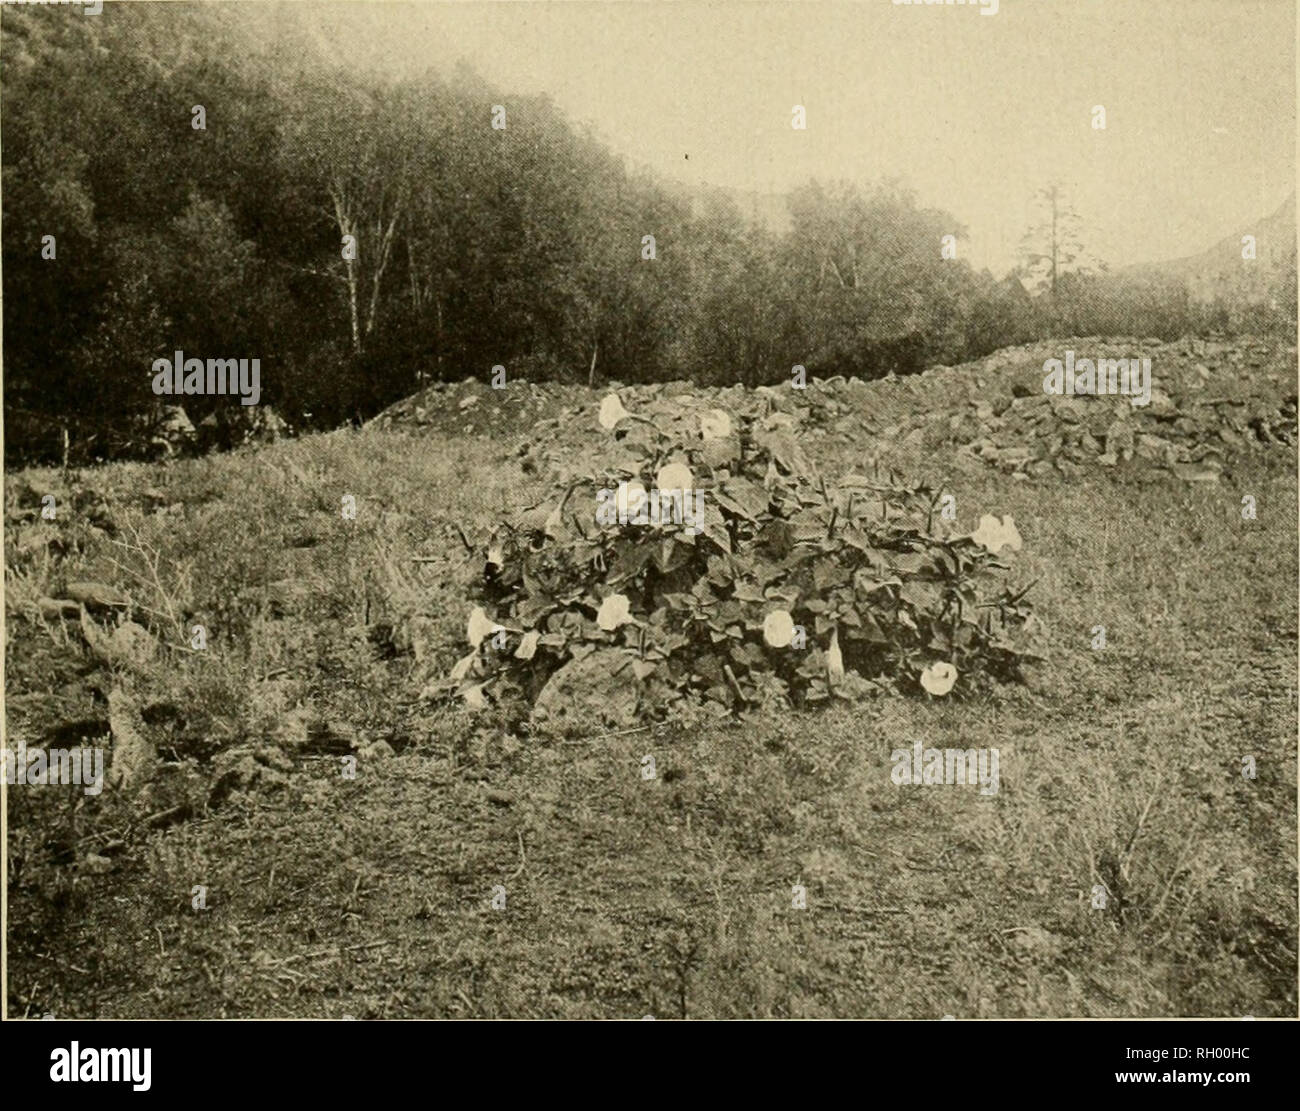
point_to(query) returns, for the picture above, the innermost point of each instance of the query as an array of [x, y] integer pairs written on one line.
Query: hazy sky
[[974, 111]]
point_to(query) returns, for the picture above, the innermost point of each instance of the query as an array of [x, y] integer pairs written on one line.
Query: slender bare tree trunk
[[415, 285], [439, 304], [346, 229], [386, 246], [352, 305]]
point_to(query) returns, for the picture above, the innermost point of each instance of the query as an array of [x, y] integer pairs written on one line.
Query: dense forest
[[225, 192]]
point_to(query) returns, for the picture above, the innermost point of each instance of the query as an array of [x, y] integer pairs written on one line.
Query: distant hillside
[[1218, 270], [1221, 271]]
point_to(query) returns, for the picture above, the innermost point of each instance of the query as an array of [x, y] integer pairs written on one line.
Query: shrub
[[698, 603]]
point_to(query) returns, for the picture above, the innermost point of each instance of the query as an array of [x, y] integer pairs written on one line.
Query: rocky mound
[[1211, 400]]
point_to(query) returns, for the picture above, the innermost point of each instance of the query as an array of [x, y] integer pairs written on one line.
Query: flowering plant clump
[[781, 584]]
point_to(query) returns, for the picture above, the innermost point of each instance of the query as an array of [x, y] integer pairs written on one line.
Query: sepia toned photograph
[[644, 510]]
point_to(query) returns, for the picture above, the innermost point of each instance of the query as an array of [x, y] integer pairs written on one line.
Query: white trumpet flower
[[612, 411], [778, 629], [939, 677]]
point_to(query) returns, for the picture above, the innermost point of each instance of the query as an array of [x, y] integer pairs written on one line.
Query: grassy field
[[328, 896]]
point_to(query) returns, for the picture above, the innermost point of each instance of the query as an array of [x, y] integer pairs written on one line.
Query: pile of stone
[[473, 408], [1211, 400]]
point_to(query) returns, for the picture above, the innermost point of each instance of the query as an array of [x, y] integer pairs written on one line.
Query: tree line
[[173, 180]]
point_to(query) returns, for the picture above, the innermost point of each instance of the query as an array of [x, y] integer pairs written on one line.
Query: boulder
[[599, 690]]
